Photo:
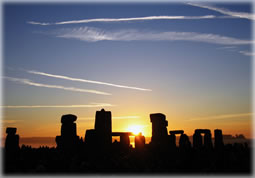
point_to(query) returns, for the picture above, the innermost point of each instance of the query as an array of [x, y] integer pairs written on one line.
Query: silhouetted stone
[[59, 141], [103, 127], [91, 137], [202, 131], [218, 139], [68, 118], [68, 128], [172, 140], [159, 130], [100, 138], [11, 130], [197, 139], [124, 138], [68, 140], [208, 140], [172, 137], [93, 157], [11, 148], [139, 142], [12, 140], [176, 132], [184, 142]]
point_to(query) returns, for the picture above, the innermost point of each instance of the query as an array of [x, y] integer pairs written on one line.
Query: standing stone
[[172, 137], [208, 139], [139, 142], [184, 142], [218, 139], [68, 141], [159, 130], [103, 127], [197, 139], [12, 140]]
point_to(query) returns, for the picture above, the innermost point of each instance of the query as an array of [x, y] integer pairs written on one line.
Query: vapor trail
[[244, 15], [29, 82], [84, 80], [123, 19], [226, 116]]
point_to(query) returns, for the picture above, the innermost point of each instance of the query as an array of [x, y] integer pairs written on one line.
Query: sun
[[135, 129]]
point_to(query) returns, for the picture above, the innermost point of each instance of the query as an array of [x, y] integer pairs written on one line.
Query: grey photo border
[[2, 2]]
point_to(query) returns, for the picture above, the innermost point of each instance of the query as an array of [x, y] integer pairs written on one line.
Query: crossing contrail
[[85, 80]]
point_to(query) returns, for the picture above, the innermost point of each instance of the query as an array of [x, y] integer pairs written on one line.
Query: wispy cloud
[[94, 34], [92, 105], [38, 23], [227, 47], [244, 15], [84, 80], [29, 82], [247, 53], [225, 116], [126, 117], [235, 49], [116, 117], [9, 121], [124, 19]]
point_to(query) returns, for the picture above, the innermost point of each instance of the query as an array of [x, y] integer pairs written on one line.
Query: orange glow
[[135, 129]]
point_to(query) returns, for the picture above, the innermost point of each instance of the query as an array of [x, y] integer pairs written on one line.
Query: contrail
[[123, 19], [244, 15], [226, 116], [84, 80], [29, 82]]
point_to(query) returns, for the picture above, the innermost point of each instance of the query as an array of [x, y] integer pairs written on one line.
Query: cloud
[[234, 48], [116, 117], [126, 117], [227, 47], [124, 19], [94, 34], [84, 80], [92, 105], [247, 53], [9, 121], [226, 116], [29, 82], [85, 119], [244, 15], [37, 23]]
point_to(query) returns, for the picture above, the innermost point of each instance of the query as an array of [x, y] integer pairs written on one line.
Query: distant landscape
[[36, 142]]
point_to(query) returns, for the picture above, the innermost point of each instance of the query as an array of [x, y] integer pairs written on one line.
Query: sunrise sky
[[189, 61]]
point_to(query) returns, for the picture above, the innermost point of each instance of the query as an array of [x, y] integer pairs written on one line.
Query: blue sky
[[191, 62]]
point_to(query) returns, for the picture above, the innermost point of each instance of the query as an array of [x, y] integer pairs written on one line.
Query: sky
[[189, 61]]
